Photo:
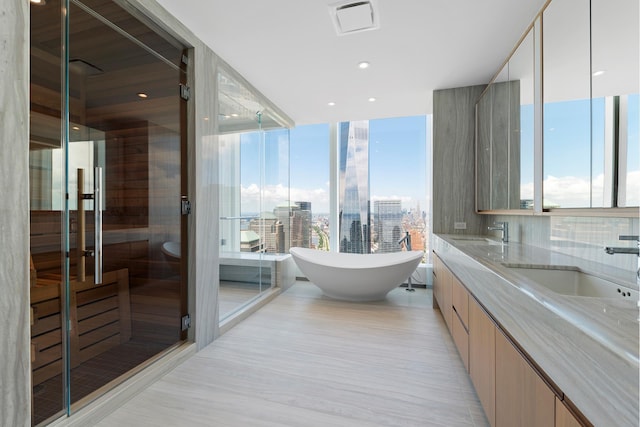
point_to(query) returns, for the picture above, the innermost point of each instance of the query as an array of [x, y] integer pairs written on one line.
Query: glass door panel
[[105, 188], [254, 195], [127, 306], [46, 196]]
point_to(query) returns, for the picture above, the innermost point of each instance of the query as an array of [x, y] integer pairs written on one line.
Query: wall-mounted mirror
[[587, 134], [615, 83], [505, 135], [567, 164], [590, 77]]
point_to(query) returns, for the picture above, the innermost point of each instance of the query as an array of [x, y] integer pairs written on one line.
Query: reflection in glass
[[567, 105], [255, 214], [629, 184], [504, 151]]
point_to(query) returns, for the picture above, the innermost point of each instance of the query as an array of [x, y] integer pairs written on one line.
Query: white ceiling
[[289, 50]]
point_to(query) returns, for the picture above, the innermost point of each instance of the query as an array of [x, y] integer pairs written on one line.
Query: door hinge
[[186, 322], [185, 59], [185, 92], [185, 206]]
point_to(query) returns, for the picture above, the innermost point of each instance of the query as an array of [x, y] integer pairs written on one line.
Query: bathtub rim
[[354, 261]]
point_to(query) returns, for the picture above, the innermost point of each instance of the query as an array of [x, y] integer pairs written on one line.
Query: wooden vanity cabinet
[[564, 417], [511, 391], [442, 290], [482, 358], [522, 397], [437, 284], [460, 319]]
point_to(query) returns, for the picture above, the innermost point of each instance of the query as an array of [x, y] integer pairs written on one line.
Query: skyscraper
[[271, 232], [301, 226], [355, 221], [388, 223]]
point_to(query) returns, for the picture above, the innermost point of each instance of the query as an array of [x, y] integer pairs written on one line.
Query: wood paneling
[[564, 418], [100, 319], [460, 301], [522, 397], [461, 339], [482, 358]]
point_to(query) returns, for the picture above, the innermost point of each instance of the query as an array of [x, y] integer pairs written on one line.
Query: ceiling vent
[[354, 16]]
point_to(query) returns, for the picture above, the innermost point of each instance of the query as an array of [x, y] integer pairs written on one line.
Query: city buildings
[[388, 225]]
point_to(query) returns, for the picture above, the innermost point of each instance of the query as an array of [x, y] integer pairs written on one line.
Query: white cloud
[[274, 195], [574, 192]]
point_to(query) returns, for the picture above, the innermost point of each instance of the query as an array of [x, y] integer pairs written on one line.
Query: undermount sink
[[572, 281], [477, 240]]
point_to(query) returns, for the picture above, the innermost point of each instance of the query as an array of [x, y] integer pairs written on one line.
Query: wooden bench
[[100, 319]]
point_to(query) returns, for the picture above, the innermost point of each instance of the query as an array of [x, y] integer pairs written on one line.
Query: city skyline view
[[398, 151]]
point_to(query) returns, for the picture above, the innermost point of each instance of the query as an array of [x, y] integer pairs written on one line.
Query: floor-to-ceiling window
[[382, 186], [310, 185]]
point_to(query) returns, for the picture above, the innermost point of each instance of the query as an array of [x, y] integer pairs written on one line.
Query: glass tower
[[355, 218], [388, 223]]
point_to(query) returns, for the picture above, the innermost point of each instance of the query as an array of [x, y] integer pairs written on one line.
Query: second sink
[[572, 281]]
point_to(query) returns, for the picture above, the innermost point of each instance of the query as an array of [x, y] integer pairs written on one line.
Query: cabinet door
[[522, 397], [447, 301], [437, 281], [460, 301], [461, 339], [482, 358], [564, 418]]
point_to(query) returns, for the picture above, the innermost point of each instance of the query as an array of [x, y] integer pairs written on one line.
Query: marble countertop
[[587, 347]]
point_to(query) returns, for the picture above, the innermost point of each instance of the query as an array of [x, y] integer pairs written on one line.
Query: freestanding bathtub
[[356, 277]]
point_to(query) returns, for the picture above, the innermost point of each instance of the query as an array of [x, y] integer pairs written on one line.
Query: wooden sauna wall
[[142, 184]]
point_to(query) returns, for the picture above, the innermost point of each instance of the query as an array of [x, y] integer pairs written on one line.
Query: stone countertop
[[586, 347]]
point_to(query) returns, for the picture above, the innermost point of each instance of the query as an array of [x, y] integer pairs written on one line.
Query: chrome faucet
[[407, 240], [407, 243], [503, 227], [634, 251]]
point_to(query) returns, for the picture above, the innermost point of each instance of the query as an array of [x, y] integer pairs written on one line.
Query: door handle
[[97, 213], [82, 253]]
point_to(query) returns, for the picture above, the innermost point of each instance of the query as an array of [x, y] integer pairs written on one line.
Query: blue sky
[[397, 162], [398, 156]]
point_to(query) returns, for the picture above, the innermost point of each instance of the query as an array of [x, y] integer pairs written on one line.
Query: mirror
[[615, 82], [590, 77], [589, 128], [566, 106], [505, 135]]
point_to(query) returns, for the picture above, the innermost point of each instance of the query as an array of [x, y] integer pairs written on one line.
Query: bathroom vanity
[[539, 354]]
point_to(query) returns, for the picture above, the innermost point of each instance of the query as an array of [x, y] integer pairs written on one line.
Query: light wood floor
[[306, 360]]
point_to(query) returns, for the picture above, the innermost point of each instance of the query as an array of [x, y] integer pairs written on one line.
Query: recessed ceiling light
[[206, 119], [598, 73], [142, 95], [234, 114], [39, 2], [372, 99], [364, 64], [331, 104], [75, 128]]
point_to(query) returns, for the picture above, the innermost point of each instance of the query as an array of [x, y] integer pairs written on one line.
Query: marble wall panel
[[454, 160], [582, 237], [15, 399]]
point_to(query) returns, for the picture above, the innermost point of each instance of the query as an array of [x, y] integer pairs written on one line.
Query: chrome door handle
[[97, 213]]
